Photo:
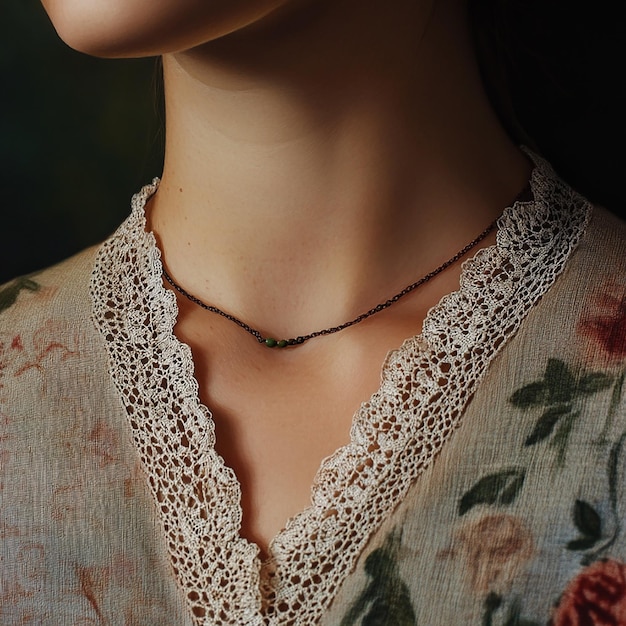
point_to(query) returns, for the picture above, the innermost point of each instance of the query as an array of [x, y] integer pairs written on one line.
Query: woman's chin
[[140, 28]]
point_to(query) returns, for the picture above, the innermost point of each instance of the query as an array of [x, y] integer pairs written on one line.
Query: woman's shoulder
[[48, 341], [60, 291], [46, 328], [607, 230], [600, 253]]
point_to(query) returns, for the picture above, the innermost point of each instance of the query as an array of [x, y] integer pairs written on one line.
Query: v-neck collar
[[395, 436]]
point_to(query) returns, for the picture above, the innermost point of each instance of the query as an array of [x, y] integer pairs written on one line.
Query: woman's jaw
[[141, 28]]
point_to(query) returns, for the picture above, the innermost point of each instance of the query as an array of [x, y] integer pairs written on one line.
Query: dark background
[[78, 136]]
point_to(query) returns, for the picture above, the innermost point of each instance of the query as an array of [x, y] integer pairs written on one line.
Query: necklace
[[270, 342]]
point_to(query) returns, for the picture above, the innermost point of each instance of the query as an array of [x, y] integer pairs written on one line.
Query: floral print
[[596, 597], [558, 395], [519, 521], [35, 355], [10, 292], [495, 548], [386, 599], [573, 410], [499, 488], [609, 328]]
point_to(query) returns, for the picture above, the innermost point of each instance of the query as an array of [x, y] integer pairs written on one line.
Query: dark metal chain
[[270, 342]]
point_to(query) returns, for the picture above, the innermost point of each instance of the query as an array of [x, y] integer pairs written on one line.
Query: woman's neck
[[320, 160]]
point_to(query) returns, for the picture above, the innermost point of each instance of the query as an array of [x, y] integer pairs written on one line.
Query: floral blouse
[[483, 483]]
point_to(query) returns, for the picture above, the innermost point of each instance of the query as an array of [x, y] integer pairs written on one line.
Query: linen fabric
[[483, 484]]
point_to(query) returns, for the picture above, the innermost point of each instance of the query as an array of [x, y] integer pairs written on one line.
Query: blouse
[[483, 483]]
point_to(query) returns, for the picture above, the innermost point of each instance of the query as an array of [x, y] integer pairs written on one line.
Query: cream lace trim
[[425, 387]]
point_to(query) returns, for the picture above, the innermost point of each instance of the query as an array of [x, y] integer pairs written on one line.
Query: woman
[[320, 158]]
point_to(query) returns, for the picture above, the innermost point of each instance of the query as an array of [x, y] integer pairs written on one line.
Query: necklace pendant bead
[[282, 343], [270, 343]]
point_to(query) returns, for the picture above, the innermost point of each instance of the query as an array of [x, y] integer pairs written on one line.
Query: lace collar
[[425, 387]]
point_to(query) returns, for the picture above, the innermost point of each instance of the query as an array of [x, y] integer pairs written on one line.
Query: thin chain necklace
[[270, 342]]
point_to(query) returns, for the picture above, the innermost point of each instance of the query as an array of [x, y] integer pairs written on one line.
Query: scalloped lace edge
[[393, 439]]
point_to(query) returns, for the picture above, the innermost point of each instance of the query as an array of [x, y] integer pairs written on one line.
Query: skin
[[320, 156], [139, 28]]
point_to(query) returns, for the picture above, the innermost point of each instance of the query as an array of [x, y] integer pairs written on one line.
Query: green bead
[[282, 343], [270, 343]]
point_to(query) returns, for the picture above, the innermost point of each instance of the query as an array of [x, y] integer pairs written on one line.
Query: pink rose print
[[596, 597], [34, 354], [608, 329], [495, 548]]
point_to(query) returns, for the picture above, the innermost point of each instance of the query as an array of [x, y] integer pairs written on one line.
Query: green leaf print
[[616, 399], [560, 440], [559, 392], [499, 488], [534, 394], [560, 381], [493, 603], [613, 470], [594, 382], [587, 519], [9, 294], [386, 600], [582, 544], [547, 422], [559, 386], [589, 523]]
